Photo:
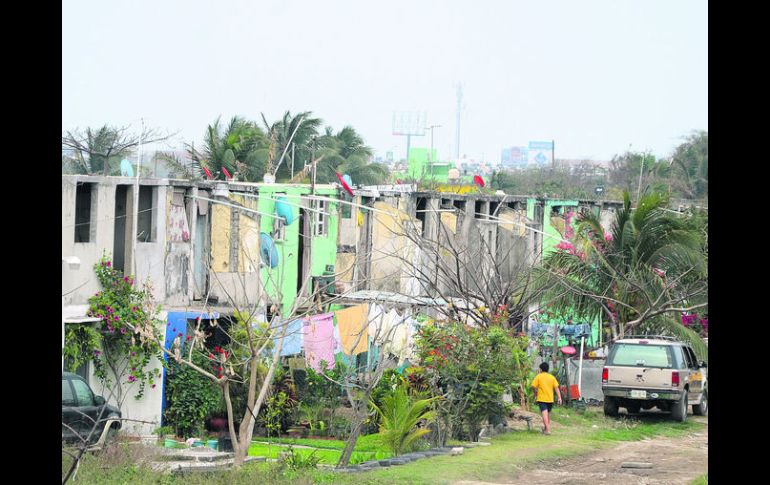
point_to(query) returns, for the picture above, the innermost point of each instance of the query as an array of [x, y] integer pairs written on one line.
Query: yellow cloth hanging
[[360, 218], [353, 322]]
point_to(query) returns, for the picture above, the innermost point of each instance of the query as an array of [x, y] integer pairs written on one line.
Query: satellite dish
[[284, 210], [126, 170], [268, 250]]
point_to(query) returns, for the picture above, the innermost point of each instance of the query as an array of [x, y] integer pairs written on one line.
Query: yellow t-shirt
[[545, 383]]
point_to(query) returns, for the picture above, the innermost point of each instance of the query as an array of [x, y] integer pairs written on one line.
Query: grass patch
[[701, 480], [370, 442], [575, 433], [327, 456]]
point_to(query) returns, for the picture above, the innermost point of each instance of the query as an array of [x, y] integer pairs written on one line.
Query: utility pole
[[292, 160], [459, 109], [553, 154], [639, 187], [430, 154], [135, 237]]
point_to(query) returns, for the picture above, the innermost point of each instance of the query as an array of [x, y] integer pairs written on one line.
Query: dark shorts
[[545, 406]]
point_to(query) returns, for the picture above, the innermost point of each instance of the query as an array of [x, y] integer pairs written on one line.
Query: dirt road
[[674, 461]]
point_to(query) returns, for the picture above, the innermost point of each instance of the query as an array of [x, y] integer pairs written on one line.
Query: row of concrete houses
[[210, 248]]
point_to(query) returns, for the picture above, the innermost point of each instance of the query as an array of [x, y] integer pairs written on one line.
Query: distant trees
[[684, 174]]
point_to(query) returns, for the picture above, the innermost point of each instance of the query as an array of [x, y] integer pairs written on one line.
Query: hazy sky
[[595, 76]]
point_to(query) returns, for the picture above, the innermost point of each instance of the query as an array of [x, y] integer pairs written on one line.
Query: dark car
[[82, 411]]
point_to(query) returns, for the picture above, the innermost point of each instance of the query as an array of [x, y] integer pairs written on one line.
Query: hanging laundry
[[398, 335], [353, 328], [410, 352], [318, 337], [292, 342], [380, 323]]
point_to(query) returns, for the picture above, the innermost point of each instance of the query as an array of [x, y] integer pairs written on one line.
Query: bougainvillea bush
[[123, 342]]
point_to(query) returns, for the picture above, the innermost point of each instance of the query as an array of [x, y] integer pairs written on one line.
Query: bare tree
[[95, 150]]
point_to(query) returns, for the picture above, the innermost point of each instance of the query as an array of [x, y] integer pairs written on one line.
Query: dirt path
[[674, 461]]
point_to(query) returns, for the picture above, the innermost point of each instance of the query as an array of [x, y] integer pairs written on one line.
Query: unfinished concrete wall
[[148, 408], [234, 278], [79, 284], [390, 248], [151, 255]]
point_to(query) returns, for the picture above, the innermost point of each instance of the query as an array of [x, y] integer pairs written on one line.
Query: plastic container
[[169, 443], [213, 444]]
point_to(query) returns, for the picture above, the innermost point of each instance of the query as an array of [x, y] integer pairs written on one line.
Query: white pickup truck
[[647, 372]]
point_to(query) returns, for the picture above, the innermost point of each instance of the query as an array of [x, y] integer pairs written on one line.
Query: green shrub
[[190, 397]]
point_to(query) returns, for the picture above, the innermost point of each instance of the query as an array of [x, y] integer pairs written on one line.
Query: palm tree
[[241, 148], [298, 130], [399, 416], [345, 152], [650, 266]]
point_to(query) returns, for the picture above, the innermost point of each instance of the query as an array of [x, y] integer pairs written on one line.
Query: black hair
[[544, 367]]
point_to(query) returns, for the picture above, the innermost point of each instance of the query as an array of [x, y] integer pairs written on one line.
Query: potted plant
[[162, 432]]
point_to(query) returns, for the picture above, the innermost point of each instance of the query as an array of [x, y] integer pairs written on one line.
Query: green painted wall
[[549, 243], [419, 168], [323, 248]]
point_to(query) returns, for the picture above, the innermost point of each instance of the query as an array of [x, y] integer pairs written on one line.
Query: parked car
[[82, 410], [647, 372]]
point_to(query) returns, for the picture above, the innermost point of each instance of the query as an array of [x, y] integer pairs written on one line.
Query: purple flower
[[116, 318], [131, 378], [97, 353], [153, 386], [109, 264]]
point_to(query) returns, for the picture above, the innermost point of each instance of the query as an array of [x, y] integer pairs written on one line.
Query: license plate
[[638, 394]]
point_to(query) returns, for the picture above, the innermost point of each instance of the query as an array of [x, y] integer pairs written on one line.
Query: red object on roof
[[478, 180], [227, 174], [568, 350], [208, 174], [344, 184]]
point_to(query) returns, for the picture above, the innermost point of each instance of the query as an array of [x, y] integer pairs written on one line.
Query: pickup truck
[[646, 372]]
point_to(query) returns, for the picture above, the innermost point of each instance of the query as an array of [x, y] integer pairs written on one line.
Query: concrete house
[[200, 244]]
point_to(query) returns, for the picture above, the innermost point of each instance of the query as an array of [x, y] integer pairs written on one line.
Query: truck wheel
[[679, 410], [702, 409], [610, 406], [634, 408]]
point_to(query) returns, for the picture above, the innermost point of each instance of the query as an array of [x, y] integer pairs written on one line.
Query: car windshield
[[641, 355]]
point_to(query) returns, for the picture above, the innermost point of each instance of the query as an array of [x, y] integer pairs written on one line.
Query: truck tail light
[[605, 375], [675, 378]]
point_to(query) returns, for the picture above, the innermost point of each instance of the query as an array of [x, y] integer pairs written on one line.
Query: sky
[[597, 77]]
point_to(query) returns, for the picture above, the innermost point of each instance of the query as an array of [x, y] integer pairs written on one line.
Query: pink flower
[[608, 236], [131, 378], [109, 264]]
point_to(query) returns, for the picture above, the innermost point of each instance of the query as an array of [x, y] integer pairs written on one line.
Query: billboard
[[540, 153], [514, 156], [409, 123]]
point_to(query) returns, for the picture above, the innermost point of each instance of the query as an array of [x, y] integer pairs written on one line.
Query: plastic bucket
[[213, 444]]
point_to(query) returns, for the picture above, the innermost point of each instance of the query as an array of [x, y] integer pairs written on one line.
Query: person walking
[[544, 384]]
